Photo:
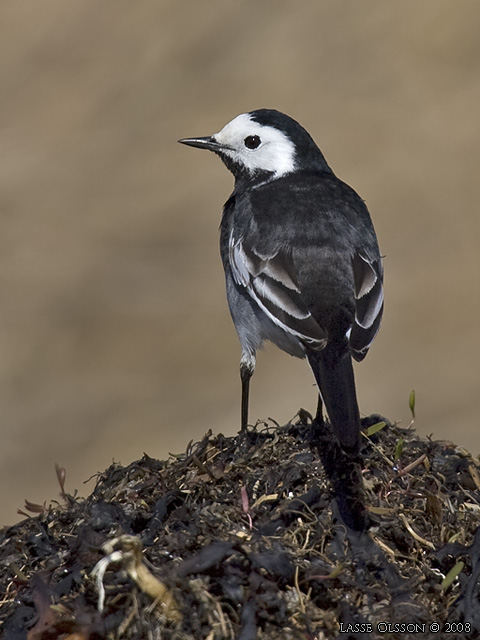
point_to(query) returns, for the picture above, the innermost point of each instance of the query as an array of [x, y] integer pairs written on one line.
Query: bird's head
[[263, 144]]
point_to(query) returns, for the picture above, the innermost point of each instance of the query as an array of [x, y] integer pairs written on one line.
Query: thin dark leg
[[319, 414], [245, 375]]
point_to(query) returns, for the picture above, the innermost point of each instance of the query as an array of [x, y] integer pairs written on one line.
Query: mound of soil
[[240, 538]]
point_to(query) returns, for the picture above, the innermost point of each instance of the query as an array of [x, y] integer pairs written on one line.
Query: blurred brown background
[[114, 332]]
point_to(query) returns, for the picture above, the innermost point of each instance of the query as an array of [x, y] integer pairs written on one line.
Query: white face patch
[[275, 152]]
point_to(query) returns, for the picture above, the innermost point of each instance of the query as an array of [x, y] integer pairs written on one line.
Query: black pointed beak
[[202, 143]]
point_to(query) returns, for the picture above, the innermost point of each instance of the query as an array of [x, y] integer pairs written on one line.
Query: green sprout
[[411, 403], [398, 449]]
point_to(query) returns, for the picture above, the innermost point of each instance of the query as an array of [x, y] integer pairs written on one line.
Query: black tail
[[333, 371]]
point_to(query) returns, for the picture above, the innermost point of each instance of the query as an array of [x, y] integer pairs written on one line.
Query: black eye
[[252, 142]]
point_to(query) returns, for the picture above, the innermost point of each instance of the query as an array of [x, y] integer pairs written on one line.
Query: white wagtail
[[301, 259]]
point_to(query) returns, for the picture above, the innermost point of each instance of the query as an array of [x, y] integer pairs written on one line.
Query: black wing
[[368, 281], [270, 280]]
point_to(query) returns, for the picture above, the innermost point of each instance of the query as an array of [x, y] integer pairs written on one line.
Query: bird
[[301, 259]]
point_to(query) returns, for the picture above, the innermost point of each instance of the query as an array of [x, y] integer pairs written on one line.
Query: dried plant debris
[[237, 539]]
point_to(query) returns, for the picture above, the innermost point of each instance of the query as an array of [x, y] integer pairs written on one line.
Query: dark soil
[[240, 538]]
